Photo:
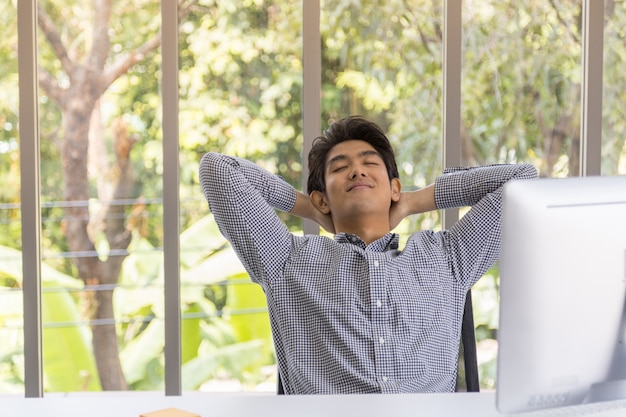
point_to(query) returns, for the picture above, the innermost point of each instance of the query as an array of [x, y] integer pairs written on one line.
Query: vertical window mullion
[[591, 97], [30, 199], [312, 88], [452, 58], [171, 196], [452, 38]]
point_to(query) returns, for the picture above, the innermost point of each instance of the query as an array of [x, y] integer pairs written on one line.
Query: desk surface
[[256, 405]]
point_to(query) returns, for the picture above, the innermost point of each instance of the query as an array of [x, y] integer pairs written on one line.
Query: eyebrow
[[342, 157]]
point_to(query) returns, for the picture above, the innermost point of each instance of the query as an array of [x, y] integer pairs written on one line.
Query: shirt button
[[379, 303], [385, 379], [376, 263], [381, 340]]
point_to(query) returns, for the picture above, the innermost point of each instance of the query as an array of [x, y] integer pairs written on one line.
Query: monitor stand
[[607, 391], [614, 387]]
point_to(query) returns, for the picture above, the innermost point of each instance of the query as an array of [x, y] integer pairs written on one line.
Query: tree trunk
[[91, 269]]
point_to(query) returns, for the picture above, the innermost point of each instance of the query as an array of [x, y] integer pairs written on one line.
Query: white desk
[[266, 405]]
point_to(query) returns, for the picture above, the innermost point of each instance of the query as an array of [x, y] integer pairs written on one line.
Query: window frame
[[591, 139]]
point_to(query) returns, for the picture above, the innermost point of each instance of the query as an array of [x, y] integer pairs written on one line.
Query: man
[[355, 314]]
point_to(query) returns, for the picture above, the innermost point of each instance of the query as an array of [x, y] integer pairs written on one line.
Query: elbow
[[211, 165], [527, 171]]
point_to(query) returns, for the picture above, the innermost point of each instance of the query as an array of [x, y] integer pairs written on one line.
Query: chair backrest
[[468, 341]]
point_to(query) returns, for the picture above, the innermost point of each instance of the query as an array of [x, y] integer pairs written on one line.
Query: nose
[[357, 171]]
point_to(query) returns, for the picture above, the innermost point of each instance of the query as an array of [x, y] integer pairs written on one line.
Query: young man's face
[[357, 181]]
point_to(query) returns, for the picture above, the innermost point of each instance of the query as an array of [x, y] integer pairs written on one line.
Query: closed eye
[[372, 162]]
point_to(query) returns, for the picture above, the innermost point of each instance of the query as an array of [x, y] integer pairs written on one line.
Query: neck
[[368, 228]]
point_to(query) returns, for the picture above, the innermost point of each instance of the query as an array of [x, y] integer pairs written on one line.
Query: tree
[[81, 74]]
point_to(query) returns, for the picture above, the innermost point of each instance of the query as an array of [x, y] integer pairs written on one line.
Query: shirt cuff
[[449, 188]]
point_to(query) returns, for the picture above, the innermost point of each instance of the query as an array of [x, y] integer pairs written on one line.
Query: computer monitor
[[561, 338]]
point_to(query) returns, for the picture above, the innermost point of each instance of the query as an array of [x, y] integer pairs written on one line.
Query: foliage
[[213, 341], [241, 89], [68, 360]]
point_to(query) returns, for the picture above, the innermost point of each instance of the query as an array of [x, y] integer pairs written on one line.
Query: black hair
[[349, 128]]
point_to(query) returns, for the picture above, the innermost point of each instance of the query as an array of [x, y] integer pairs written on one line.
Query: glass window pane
[[614, 94], [240, 94], [11, 313], [101, 165], [383, 61], [520, 98], [521, 84]]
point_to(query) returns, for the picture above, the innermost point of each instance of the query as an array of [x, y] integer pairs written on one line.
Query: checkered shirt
[[348, 317]]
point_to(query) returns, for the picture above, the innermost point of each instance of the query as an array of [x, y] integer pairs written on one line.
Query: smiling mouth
[[359, 187]]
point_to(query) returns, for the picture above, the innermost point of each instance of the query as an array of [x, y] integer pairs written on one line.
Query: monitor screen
[[561, 335]]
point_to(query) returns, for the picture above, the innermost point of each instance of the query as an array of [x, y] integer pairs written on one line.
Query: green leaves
[[67, 355], [234, 340]]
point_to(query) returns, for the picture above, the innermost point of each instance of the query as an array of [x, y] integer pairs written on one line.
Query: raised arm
[[473, 243], [242, 198]]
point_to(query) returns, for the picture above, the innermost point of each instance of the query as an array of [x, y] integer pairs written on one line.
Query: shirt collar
[[385, 243]]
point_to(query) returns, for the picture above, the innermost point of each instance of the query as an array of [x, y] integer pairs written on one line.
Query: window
[[101, 205], [119, 136]]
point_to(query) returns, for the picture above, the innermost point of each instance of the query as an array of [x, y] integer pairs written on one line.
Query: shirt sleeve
[[473, 243], [243, 198]]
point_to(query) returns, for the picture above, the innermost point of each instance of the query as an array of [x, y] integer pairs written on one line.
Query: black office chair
[[279, 384], [468, 342]]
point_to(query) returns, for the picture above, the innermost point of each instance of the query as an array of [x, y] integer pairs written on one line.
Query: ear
[[396, 189], [319, 201]]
